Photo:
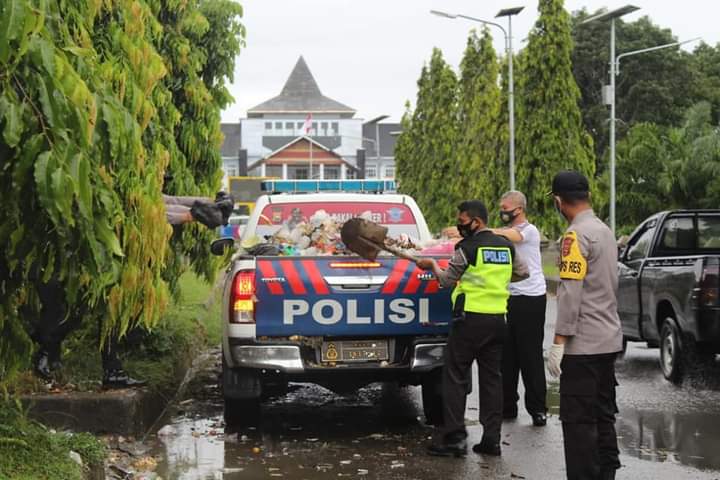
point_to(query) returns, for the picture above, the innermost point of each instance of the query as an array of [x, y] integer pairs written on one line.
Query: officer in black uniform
[[480, 270]]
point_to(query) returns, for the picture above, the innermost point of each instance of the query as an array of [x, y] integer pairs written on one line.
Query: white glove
[[554, 359]]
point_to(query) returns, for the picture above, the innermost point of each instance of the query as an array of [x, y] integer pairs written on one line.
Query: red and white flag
[[307, 126]]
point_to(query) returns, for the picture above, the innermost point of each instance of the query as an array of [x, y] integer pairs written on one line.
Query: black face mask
[[465, 229], [507, 216]]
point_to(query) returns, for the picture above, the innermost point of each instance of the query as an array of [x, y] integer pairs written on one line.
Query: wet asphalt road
[[664, 432]]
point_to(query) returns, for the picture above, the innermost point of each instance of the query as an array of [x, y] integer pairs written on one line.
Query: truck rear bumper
[[426, 356], [285, 358]]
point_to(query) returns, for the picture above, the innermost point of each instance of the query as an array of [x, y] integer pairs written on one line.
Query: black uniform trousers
[[54, 325], [473, 337], [587, 412], [523, 354]]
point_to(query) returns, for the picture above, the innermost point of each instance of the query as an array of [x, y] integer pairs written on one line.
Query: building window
[[297, 172], [231, 171], [370, 171], [335, 128], [324, 129], [332, 172], [278, 126], [389, 171], [300, 128], [314, 128], [274, 171], [289, 128], [268, 126]]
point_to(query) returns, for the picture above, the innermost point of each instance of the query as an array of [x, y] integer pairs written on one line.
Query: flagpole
[[310, 176]]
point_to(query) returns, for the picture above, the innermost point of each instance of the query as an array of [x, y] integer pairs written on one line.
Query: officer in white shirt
[[523, 350]]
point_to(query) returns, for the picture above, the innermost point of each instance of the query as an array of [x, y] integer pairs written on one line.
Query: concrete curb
[[125, 412]]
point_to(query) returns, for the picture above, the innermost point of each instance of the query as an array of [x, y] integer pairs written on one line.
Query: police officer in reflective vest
[[587, 334], [480, 270]]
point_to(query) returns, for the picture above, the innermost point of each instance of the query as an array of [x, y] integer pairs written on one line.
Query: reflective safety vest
[[486, 279]]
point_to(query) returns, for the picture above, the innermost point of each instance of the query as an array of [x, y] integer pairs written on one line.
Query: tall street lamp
[[609, 90], [507, 12]]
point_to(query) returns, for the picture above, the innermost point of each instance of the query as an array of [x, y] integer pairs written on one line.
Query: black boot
[[456, 449], [487, 448], [120, 379], [41, 365]]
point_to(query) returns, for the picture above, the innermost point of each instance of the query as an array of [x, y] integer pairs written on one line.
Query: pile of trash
[[318, 236]]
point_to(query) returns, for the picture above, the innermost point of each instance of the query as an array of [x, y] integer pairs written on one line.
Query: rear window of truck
[[690, 234], [397, 217]]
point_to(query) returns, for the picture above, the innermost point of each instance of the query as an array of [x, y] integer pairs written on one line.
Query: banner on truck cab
[[382, 213]]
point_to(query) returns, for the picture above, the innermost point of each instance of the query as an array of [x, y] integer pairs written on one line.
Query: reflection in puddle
[[193, 449], [688, 438]]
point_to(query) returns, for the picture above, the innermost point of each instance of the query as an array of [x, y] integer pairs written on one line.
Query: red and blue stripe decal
[[306, 277]]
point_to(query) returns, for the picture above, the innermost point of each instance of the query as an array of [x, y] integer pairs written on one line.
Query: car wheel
[[671, 351], [432, 398]]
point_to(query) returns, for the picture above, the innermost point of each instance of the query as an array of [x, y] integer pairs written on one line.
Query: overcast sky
[[368, 54]]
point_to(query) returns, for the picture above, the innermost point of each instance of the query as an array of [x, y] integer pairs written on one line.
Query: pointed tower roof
[[300, 94]]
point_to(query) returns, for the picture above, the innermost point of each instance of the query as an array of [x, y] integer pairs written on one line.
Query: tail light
[[242, 300], [710, 285]]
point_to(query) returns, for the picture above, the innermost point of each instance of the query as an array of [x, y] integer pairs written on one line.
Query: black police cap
[[569, 181]]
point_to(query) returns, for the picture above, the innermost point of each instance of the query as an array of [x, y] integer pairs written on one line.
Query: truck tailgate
[[348, 296]]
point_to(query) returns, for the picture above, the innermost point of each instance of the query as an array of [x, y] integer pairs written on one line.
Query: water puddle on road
[[304, 434], [663, 436]]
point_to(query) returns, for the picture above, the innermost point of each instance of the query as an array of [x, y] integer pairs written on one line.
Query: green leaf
[[49, 107], [107, 236], [12, 24], [41, 179], [25, 161], [14, 125], [80, 171]]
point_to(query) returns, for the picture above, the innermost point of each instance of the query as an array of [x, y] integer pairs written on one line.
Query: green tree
[[550, 133], [425, 167], [656, 87], [692, 159], [479, 127], [706, 61], [641, 157], [91, 94]]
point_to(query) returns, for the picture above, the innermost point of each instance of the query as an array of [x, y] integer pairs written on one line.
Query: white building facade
[[274, 141]]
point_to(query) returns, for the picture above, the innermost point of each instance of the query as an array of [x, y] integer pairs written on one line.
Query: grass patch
[[29, 451]]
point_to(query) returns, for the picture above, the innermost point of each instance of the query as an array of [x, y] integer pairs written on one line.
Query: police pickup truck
[[669, 290], [338, 321]]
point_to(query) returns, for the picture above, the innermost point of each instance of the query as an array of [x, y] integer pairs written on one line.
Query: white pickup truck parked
[[335, 320]]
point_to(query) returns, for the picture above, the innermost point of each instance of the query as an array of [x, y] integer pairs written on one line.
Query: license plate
[[355, 351]]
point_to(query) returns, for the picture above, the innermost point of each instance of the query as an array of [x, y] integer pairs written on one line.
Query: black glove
[[207, 213], [226, 204]]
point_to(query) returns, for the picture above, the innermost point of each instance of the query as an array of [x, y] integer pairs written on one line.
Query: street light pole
[[508, 12], [612, 15], [614, 71]]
